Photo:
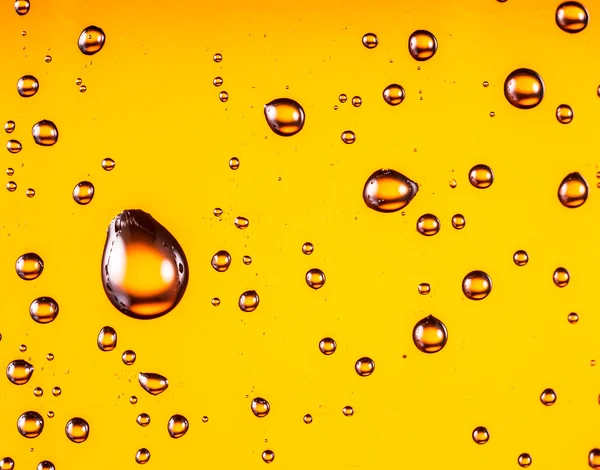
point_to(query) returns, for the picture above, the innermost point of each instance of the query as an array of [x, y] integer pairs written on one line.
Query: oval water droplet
[[307, 419], [458, 221], [30, 424], [573, 190], [144, 269], [91, 40], [153, 383], [343, 98], [48, 59], [268, 456], [248, 301], [108, 164], [30, 192], [133, 400], [422, 45], [481, 176], [548, 397], [217, 57], [11, 186], [247, 260], [82, 89], [572, 318], [223, 96], [424, 288], [430, 335], [564, 114], [215, 302], [128, 357], [177, 426], [45, 133], [77, 430], [356, 101], [142, 456], [143, 419], [83, 193], [38, 392], [27, 86], [428, 225], [22, 8], [561, 277], [234, 163], [241, 222], [394, 94], [14, 146], [29, 266], [481, 435], [315, 278], [56, 391], [477, 285], [524, 88], [260, 407], [370, 40], [521, 258], [19, 371], [50, 356], [45, 465], [7, 463], [107, 339], [388, 191], [221, 261], [365, 366], [524, 460], [50, 414], [9, 127], [347, 411], [284, 116], [327, 346], [43, 309], [218, 81], [572, 17], [308, 248], [217, 212], [348, 137]]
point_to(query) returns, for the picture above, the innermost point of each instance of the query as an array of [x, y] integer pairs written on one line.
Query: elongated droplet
[[29, 266], [327, 346], [284, 116], [268, 456], [9, 127], [524, 460], [260, 407], [394, 94], [43, 309], [388, 191], [14, 146], [19, 371], [177, 426], [45, 133], [365, 366], [27, 86], [91, 40], [241, 222], [77, 430], [142, 456], [221, 261], [424, 288], [348, 137], [430, 335], [315, 278], [30, 424], [107, 339], [571, 17], [428, 225], [477, 285], [422, 45], [144, 269], [524, 88], [108, 164], [561, 277], [573, 190], [481, 435], [83, 193], [548, 397], [248, 301], [153, 383]]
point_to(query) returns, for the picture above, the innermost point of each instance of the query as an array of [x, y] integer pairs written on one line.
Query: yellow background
[[151, 106]]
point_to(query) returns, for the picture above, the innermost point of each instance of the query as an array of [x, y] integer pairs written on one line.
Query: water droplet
[[29, 266], [564, 114], [22, 348], [573, 190], [45, 465], [19, 372], [422, 45], [248, 301], [30, 424], [78, 82], [218, 81], [178, 425], [308, 248], [144, 269], [91, 40], [593, 362], [548, 397], [486, 84], [7, 463], [83, 193], [107, 339], [521, 258], [43, 309], [133, 400], [428, 225], [153, 383], [356, 101], [481, 176], [50, 356], [11, 186], [561, 277], [217, 212], [48, 59], [142, 456], [205, 419], [481, 435], [27, 86], [108, 164], [594, 458], [9, 127], [348, 411], [217, 57], [143, 419], [234, 163], [524, 88], [260, 407], [327, 346], [572, 17], [22, 8], [307, 419], [14, 146], [370, 40], [458, 221], [82, 89], [268, 456], [315, 278], [30, 192], [394, 94], [56, 391], [477, 285], [215, 302], [38, 392], [128, 357], [388, 191], [10, 171], [424, 288], [241, 223], [221, 261], [343, 98], [247, 260], [573, 318], [45, 133], [430, 335], [348, 137], [284, 116], [364, 366], [223, 96], [50, 414]]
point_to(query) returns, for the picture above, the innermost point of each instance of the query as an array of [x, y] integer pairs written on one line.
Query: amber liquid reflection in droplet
[[248, 301], [260, 407], [424, 288], [572, 318], [284, 116], [143, 419], [142, 456], [30, 424], [394, 94], [573, 190], [91, 40], [128, 357], [327, 346], [177, 426], [315, 278], [481, 435], [428, 225], [370, 40], [458, 221], [77, 430], [83, 193], [22, 8], [564, 114], [481, 176], [422, 45], [388, 191], [153, 383], [29, 266], [221, 261], [521, 258], [107, 339], [45, 465], [348, 137], [548, 397], [19, 371], [365, 366], [27, 86], [348, 411], [241, 222], [14, 146], [45, 133], [430, 335], [7, 463], [561, 277], [308, 248], [524, 460], [524, 88], [571, 17], [43, 310], [477, 285], [307, 419]]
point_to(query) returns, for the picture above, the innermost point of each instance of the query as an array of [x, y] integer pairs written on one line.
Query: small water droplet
[[27, 86], [234, 163], [217, 212], [521, 258], [143, 419], [477, 285], [241, 222], [348, 137], [178, 425], [10, 171], [308, 248], [394, 94], [30, 424], [348, 411], [153, 383], [48, 59], [343, 98], [356, 101], [370, 40], [45, 133], [205, 419], [133, 400], [108, 164], [452, 183], [247, 260], [524, 88], [284, 116], [11, 186], [218, 81], [428, 225], [430, 335], [572, 17], [248, 301], [422, 45], [223, 96], [548, 397], [481, 176], [327, 346], [217, 57], [388, 191], [481, 435], [19, 371], [128, 357], [486, 84], [307, 419], [364, 366], [38, 392], [573, 190], [594, 458], [30, 192], [22, 8], [524, 460], [50, 357], [260, 407], [215, 302], [458, 221], [82, 89], [50, 414], [83, 193], [107, 339], [573, 318], [564, 114], [43, 309], [315, 278], [142, 456], [561, 277], [14, 146], [78, 82], [29, 266], [268, 456], [45, 465], [23, 348], [91, 40], [9, 127], [56, 391], [221, 261], [424, 288]]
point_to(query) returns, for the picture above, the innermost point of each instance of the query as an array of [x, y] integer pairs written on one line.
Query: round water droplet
[[107, 339], [217, 57], [241, 223], [521, 258], [268, 456], [221, 261], [13, 146], [45, 465], [29, 266], [486, 84], [128, 357], [9, 127], [548, 397], [217, 212], [108, 164], [50, 414], [144, 269], [573, 318], [30, 424], [205, 419], [30, 192], [143, 419], [348, 137], [133, 400], [388, 191], [91, 40], [45, 133], [22, 8], [370, 40], [22, 348], [78, 82], [153, 383], [83, 193], [430, 335], [178, 425], [561, 277], [308, 248], [572, 17], [348, 411], [142, 456], [481, 176], [428, 225], [248, 301], [477, 285], [82, 89], [524, 89], [594, 458], [424, 288], [356, 101], [11, 186], [56, 391], [43, 309], [215, 302], [284, 116], [573, 190], [422, 45], [343, 98], [48, 59], [38, 392], [564, 114], [315, 278], [50, 356], [234, 163], [27, 86], [327, 346], [7, 463], [524, 460], [218, 81], [260, 407], [223, 96], [307, 419], [19, 372], [247, 260], [394, 94], [481, 435], [364, 366], [458, 221]]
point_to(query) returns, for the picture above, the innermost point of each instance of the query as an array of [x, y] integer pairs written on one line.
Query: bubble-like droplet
[[356, 101], [43, 309], [348, 411], [260, 407], [7, 463], [82, 89], [548, 397], [56, 391], [205, 419], [524, 88], [422, 45], [50, 414], [30, 192], [83, 193], [107, 338], [142, 456], [77, 430], [22, 8], [370, 40], [307, 419], [178, 425], [315, 278], [13, 146], [348, 137], [477, 285], [247, 260], [573, 318], [215, 302], [248, 301], [594, 458], [48, 59], [38, 392], [133, 400], [572, 17], [343, 97], [91, 40], [9, 127], [50, 356], [29, 266], [143, 419], [144, 269], [561, 277], [481, 176], [268, 456], [27, 86], [221, 261], [108, 164], [128, 357], [284, 116], [45, 133], [217, 212], [327, 346], [241, 222], [218, 81], [573, 190], [521, 258], [45, 465], [153, 383], [30, 424], [388, 191], [481, 435], [234, 163], [430, 335], [458, 221], [428, 225], [217, 57], [364, 366], [524, 460], [424, 288], [11, 186], [23, 348], [19, 371], [564, 114], [223, 96], [78, 82], [394, 94], [308, 248]]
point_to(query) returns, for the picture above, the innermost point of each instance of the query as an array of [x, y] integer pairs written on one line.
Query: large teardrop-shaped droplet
[[388, 191], [573, 190], [19, 371], [154, 384], [284, 116], [144, 269], [30, 424], [45, 133], [524, 88], [177, 426], [91, 40], [77, 430], [430, 335], [107, 339]]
